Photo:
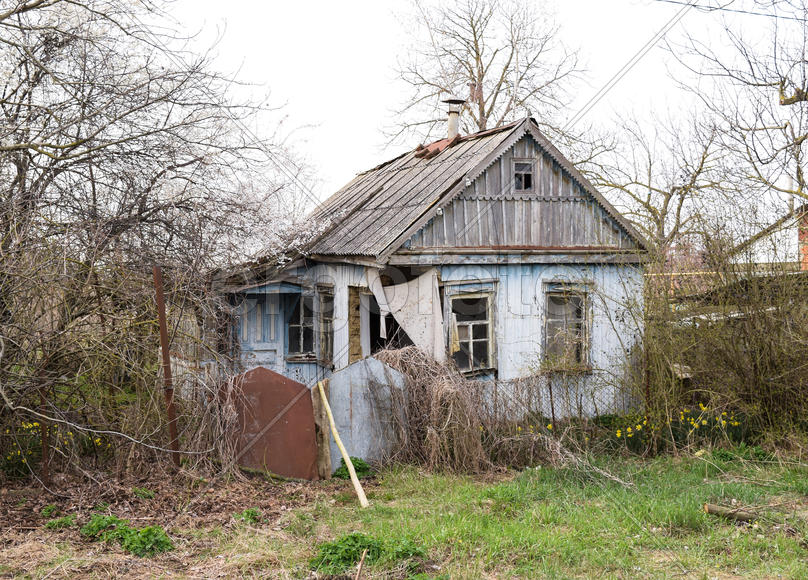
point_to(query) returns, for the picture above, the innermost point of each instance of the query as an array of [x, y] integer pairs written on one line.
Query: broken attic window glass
[[471, 343], [523, 176], [301, 327]]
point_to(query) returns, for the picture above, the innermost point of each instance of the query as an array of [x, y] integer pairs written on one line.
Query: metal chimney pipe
[[454, 115]]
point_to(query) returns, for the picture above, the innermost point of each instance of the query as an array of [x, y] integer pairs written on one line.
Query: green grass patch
[[49, 511], [361, 468], [552, 522], [142, 493], [61, 523], [142, 542], [249, 516]]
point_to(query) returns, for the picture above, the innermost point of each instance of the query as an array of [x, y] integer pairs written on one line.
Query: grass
[[541, 523], [558, 523]]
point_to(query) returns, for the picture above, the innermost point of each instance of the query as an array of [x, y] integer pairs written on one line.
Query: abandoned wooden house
[[490, 251]]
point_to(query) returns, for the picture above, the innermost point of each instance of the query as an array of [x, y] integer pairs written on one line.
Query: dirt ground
[[189, 510]]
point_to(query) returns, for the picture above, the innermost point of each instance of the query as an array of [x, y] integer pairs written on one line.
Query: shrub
[[336, 557], [61, 523], [360, 466]]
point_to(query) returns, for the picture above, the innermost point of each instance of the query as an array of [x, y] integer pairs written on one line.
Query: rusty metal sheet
[[276, 425]]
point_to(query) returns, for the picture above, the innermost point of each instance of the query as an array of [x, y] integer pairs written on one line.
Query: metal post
[[168, 385]]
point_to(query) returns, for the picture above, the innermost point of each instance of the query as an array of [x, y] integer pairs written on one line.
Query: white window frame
[[455, 325], [566, 289]]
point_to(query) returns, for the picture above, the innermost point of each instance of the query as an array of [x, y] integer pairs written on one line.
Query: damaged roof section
[[380, 204], [381, 208]]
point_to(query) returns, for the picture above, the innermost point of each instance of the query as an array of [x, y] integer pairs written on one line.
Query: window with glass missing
[[566, 340], [471, 332], [301, 327], [523, 175]]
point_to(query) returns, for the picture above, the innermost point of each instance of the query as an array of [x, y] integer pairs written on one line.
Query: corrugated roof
[[380, 206]]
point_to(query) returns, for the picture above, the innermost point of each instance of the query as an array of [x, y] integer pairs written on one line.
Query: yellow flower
[[618, 433], [724, 413], [723, 423], [639, 427], [628, 430], [550, 426], [704, 421], [686, 411], [23, 460]]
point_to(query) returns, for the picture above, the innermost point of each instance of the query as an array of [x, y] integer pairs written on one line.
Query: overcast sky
[[332, 65]]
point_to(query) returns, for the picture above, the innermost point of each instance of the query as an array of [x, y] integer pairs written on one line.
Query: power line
[[604, 90], [704, 8]]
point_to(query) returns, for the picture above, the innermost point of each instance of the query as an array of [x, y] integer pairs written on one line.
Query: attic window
[[523, 175]]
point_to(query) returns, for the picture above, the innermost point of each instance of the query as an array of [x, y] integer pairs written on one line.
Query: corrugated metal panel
[[379, 204]]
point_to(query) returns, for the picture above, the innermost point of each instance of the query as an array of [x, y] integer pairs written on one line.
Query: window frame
[[567, 289], [455, 326], [301, 355], [325, 325], [532, 163]]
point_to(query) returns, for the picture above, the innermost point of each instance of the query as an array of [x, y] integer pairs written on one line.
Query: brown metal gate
[[276, 425]]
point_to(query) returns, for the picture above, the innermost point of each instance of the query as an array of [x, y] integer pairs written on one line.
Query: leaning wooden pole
[[363, 500], [168, 385]]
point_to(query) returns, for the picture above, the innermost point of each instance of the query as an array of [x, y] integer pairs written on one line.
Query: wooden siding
[[558, 213]]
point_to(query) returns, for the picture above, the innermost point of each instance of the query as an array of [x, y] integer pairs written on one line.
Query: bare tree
[[665, 176], [504, 58], [755, 86], [118, 150]]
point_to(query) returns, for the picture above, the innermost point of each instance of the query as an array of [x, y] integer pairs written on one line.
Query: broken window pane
[[471, 316], [523, 176], [301, 327]]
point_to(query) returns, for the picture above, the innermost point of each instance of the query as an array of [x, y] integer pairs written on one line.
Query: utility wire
[[604, 90], [704, 8]]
